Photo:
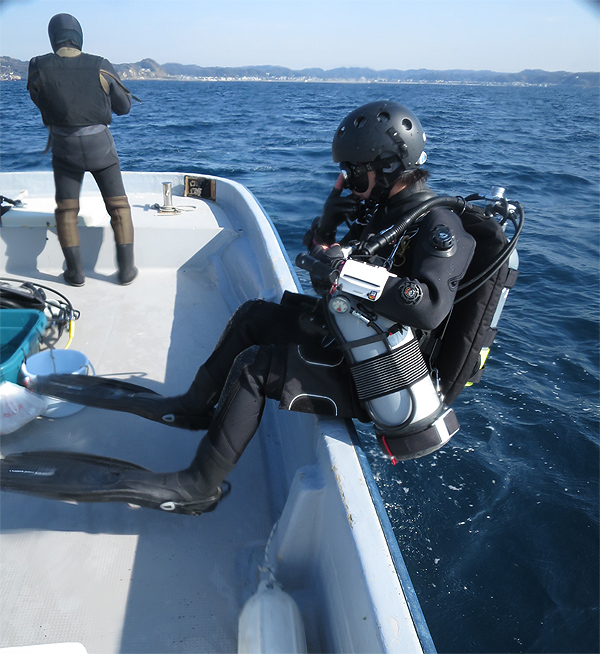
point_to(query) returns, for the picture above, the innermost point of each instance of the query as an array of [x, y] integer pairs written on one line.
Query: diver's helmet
[[382, 136], [64, 29]]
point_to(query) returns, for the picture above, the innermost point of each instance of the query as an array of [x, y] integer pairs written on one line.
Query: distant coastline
[[148, 69]]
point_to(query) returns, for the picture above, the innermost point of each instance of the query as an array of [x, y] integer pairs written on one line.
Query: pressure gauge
[[339, 304]]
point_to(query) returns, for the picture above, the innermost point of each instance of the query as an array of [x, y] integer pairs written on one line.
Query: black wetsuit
[[76, 96], [284, 351]]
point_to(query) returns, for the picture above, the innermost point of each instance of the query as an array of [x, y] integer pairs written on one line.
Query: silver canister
[[167, 194]]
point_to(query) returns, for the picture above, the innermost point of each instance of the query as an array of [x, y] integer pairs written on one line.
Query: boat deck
[[110, 576]]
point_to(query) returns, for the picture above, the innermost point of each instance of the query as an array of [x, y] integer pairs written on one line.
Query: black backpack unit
[[459, 348]]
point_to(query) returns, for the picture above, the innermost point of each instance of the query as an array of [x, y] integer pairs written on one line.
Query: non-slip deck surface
[[115, 578]]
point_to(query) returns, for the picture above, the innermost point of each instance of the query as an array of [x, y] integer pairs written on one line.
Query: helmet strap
[[384, 182]]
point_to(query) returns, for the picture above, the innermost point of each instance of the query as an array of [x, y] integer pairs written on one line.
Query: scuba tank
[[394, 383], [390, 374]]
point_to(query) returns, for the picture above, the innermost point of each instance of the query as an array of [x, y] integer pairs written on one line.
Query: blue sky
[[500, 35]]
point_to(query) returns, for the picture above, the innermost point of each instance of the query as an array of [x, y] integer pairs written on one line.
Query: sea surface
[[500, 528]]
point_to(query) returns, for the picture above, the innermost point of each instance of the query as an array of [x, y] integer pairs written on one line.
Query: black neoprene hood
[[64, 28]]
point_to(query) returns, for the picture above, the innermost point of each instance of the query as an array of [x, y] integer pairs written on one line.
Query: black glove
[[311, 238], [337, 209], [331, 257]]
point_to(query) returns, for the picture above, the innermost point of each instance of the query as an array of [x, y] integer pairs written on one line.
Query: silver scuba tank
[[390, 374]]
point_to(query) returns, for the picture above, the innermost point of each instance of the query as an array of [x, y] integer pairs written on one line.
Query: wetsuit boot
[[66, 213], [200, 399], [74, 274], [120, 220], [127, 271], [195, 490], [192, 410], [78, 477]]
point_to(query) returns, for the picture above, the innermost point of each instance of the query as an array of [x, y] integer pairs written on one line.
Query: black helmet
[[383, 131], [65, 29]]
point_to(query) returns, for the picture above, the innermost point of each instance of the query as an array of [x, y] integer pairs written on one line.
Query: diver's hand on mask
[[337, 209]]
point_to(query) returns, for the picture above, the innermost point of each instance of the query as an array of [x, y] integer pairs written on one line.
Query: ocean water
[[500, 528]]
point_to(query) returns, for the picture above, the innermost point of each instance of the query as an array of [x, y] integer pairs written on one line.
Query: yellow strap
[[483, 355]]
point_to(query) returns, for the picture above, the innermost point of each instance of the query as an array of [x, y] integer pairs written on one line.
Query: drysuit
[[286, 352]]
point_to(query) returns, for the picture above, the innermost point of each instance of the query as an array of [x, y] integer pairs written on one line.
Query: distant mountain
[[13, 69]]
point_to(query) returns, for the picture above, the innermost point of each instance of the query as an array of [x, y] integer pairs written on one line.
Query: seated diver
[[380, 150]]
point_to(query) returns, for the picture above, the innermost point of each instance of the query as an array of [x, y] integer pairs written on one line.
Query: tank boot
[[74, 274], [127, 271]]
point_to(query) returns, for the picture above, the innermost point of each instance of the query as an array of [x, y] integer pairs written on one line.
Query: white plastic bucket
[[51, 362]]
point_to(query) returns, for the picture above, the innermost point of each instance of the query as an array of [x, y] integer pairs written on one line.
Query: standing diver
[[304, 351], [76, 94]]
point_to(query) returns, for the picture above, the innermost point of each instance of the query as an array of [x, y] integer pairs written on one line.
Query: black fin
[[117, 395], [78, 477]]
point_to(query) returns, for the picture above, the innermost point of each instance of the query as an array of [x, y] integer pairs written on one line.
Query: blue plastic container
[[20, 332]]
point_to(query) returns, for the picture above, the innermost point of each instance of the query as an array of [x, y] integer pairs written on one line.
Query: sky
[[499, 35]]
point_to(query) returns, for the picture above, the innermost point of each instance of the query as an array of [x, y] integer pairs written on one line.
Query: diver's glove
[[313, 236], [332, 256], [336, 210]]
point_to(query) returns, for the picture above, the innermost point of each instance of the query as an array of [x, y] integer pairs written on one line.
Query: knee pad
[[120, 219], [66, 213]]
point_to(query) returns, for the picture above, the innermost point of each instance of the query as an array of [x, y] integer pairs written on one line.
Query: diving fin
[[117, 395], [78, 477]]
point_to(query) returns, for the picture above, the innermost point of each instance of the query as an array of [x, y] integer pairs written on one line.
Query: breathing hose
[[459, 205], [391, 235]]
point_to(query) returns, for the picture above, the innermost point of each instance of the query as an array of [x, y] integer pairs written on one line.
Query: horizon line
[[375, 70]]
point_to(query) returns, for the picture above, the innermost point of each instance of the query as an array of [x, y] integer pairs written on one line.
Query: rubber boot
[[74, 274], [127, 271]]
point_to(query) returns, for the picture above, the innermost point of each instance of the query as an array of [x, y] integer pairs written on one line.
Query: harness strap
[[364, 341]]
